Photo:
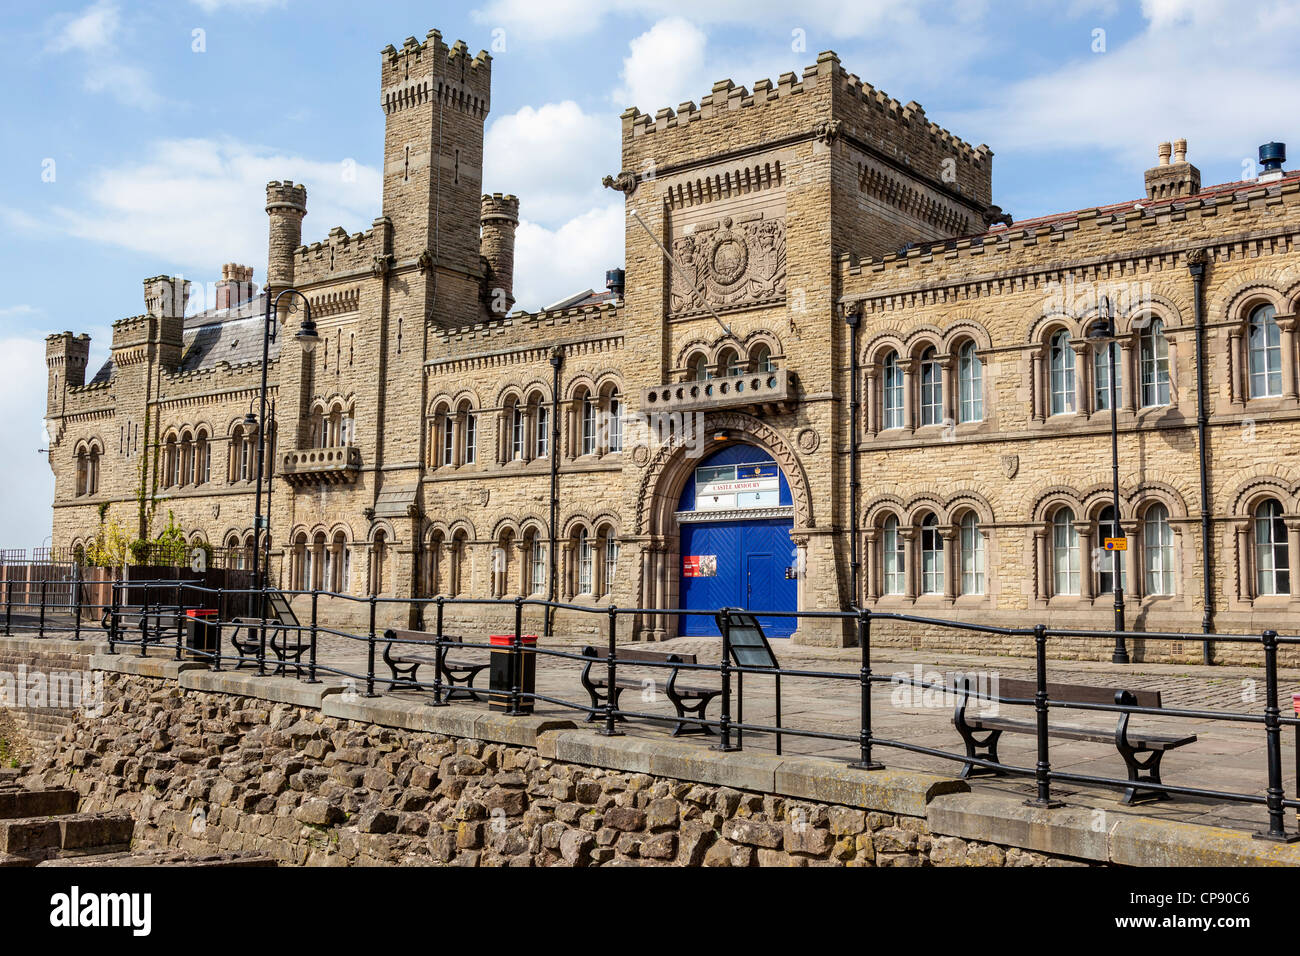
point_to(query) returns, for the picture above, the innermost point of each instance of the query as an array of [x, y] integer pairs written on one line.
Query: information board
[[749, 646]]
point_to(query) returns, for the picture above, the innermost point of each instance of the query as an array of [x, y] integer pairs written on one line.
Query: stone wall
[[314, 776], [39, 725], [203, 772]]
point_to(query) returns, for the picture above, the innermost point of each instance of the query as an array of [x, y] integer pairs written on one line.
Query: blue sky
[[139, 135]]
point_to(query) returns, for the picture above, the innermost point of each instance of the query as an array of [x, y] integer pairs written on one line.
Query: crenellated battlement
[[339, 253], [286, 196], [909, 117], [1211, 211], [420, 72], [498, 206]]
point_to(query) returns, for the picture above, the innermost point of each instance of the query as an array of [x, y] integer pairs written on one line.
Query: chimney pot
[[1163, 152], [1180, 151]]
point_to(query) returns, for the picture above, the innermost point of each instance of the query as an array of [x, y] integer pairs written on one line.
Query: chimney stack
[[235, 286], [499, 219], [1174, 180]]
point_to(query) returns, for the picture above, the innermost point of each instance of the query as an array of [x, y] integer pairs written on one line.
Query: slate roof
[[217, 335]]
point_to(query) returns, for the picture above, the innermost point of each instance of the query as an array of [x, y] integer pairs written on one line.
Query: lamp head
[[307, 336]]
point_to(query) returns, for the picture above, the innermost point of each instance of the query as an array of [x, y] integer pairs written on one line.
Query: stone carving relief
[[729, 263]]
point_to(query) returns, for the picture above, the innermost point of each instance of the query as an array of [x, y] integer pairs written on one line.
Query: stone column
[[910, 563], [1245, 561], [1087, 541], [1286, 325], [951, 561], [870, 565], [1043, 559], [1130, 375], [870, 403], [1038, 383], [524, 555], [1081, 357], [909, 399], [1236, 367], [949, 386]]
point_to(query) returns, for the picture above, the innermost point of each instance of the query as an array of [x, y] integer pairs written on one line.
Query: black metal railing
[[156, 618]]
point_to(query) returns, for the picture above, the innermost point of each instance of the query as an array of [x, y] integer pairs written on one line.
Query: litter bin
[[202, 633], [502, 673]]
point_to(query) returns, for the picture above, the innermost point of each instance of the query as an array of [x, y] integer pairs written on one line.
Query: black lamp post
[[1103, 330], [307, 338]]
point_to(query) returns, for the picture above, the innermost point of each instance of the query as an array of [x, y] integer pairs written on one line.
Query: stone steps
[[36, 803], [163, 858]]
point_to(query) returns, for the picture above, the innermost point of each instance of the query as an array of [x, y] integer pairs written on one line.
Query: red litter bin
[[202, 633], [502, 672]]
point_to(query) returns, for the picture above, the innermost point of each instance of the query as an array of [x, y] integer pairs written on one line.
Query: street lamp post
[[1103, 330], [307, 338]]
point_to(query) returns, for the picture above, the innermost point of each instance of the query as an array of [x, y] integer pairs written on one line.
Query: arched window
[[92, 471], [1158, 551], [729, 363], [1065, 553], [931, 556], [614, 417], [970, 385], [584, 562], [1153, 353], [611, 559], [763, 359], [894, 557], [1061, 374], [188, 464], [448, 439], [542, 428], [378, 562], [699, 369], [1108, 528], [202, 458], [302, 563], [588, 424], [83, 473], [516, 431], [1264, 348], [972, 555], [891, 385], [171, 463], [469, 433], [538, 558], [1272, 560], [339, 564], [1105, 357], [931, 388]]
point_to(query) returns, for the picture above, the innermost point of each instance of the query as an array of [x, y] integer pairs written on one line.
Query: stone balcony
[[760, 391], [313, 466]]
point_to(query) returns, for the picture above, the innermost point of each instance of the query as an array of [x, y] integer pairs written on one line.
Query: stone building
[[700, 415]]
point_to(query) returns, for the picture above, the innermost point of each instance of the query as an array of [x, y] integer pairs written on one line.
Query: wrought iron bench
[[1142, 753], [595, 681], [286, 642], [152, 625], [458, 675]]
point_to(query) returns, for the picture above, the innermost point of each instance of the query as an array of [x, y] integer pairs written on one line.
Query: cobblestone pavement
[[1227, 756]]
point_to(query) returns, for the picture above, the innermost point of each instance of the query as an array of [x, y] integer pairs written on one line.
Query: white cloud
[[665, 66], [93, 30], [24, 472], [552, 157], [196, 203], [552, 264], [1183, 75], [14, 311], [96, 34], [212, 6]]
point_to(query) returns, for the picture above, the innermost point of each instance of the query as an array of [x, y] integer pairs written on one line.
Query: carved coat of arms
[[1010, 465], [727, 264]]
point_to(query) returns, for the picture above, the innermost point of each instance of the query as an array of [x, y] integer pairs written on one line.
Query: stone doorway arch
[[666, 474]]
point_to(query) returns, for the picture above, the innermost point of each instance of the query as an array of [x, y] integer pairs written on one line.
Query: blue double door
[[746, 563]]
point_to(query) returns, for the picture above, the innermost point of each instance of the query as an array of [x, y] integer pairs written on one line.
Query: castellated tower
[[286, 204], [500, 219], [65, 358], [165, 298], [435, 100]]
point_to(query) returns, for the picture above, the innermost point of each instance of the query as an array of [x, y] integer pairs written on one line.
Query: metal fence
[[151, 614]]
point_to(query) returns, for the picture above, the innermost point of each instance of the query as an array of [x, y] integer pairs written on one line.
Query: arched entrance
[[736, 515], [669, 471]]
